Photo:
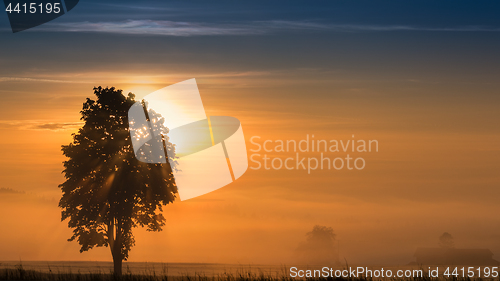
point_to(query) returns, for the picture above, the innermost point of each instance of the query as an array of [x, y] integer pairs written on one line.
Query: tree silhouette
[[319, 247], [446, 241], [107, 191]]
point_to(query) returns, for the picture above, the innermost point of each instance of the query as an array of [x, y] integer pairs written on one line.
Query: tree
[[319, 247], [446, 241], [108, 191], [321, 234]]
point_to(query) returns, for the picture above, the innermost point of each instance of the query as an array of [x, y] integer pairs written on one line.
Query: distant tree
[[321, 234], [446, 241], [107, 191], [319, 247]]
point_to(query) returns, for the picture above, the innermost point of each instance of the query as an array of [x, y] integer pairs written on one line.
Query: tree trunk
[[115, 246], [117, 266]]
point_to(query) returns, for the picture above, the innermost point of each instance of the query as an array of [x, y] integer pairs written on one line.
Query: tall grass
[[255, 274]]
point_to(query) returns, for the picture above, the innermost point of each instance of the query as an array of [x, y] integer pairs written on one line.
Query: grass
[[19, 273]]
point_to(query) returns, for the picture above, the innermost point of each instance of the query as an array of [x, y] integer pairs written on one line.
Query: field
[[102, 271]]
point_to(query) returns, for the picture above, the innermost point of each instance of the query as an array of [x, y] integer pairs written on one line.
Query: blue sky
[[359, 35], [255, 17]]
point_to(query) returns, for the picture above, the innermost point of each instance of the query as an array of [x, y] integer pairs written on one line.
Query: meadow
[[99, 271]]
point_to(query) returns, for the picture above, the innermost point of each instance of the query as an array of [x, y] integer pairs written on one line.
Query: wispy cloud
[[150, 27], [41, 125], [308, 25], [173, 28], [27, 79], [55, 126]]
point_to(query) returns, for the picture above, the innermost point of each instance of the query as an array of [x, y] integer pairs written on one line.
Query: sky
[[419, 77]]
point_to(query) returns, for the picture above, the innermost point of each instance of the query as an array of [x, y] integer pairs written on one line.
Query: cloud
[[174, 28], [42, 125], [151, 27], [56, 126], [309, 25], [26, 79]]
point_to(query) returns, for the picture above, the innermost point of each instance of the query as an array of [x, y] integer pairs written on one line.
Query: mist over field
[[421, 80]]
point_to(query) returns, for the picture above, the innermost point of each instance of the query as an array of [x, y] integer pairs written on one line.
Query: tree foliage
[[446, 241], [107, 191], [319, 247], [321, 234]]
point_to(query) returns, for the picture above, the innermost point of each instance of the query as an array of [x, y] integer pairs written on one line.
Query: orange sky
[[436, 169], [419, 77]]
